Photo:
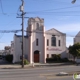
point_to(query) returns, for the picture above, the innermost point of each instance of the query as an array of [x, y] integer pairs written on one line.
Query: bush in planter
[[25, 62], [54, 58], [64, 60]]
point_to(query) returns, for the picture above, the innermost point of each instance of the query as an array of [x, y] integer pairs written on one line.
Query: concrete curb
[[41, 65], [31, 66]]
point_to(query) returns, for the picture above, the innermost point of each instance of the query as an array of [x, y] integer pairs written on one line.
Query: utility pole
[[22, 10], [22, 16], [22, 45]]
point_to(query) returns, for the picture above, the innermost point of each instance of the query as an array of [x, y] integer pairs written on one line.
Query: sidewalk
[[52, 64], [13, 66], [16, 66]]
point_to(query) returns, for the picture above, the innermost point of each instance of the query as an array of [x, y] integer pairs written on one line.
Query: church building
[[39, 44]]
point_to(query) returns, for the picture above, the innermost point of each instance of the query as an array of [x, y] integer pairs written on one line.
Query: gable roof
[[52, 31], [78, 34]]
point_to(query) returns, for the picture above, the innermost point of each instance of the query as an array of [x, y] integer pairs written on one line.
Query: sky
[[59, 14]]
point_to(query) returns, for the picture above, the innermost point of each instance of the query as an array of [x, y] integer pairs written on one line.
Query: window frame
[[37, 42], [59, 42], [37, 26], [53, 40], [47, 42]]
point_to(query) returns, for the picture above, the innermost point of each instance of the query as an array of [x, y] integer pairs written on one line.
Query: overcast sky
[[59, 14]]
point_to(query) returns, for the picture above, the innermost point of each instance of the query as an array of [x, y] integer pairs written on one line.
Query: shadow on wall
[[64, 54]]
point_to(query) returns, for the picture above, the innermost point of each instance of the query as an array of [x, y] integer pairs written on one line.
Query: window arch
[[53, 41], [37, 25]]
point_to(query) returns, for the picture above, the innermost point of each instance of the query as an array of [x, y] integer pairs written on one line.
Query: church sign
[[54, 49]]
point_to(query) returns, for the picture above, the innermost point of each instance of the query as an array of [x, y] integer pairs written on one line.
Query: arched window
[[37, 25], [53, 41]]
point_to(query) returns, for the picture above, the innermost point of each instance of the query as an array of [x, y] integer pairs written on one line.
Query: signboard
[[54, 49]]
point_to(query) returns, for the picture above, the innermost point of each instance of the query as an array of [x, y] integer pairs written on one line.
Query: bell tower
[[36, 27]]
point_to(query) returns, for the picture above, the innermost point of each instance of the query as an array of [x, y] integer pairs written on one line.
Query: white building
[[75, 40], [38, 43]]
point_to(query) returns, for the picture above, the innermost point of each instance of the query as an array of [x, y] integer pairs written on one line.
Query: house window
[[53, 41], [52, 55], [47, 42], [36, 42], [59, 43]]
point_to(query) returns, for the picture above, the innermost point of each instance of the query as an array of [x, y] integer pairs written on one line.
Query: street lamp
[[73, 1]]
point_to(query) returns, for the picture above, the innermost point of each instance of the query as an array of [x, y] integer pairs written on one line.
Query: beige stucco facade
[[36, 40]]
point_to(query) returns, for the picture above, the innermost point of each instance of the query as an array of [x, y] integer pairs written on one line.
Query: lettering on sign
[[53, 49]]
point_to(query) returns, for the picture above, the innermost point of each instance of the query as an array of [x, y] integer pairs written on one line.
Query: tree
[[75, 50]]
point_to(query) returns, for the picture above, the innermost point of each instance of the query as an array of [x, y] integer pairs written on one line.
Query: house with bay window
[[39, 44]]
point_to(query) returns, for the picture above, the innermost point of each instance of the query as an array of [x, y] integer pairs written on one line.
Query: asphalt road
[[61, 78], [44, 73]]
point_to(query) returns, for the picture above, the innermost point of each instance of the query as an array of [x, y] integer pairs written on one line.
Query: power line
[[9, 31], [1, 7], [48, 12], [6, 26], [57, 8], [47, 33], [55, 12], [45, 10]]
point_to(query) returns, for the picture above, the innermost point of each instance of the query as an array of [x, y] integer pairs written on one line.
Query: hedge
[[9, 58]]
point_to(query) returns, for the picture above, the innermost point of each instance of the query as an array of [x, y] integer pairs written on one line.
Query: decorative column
[[44, 45]]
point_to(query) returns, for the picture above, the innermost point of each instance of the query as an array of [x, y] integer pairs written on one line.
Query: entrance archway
[[36, 56]]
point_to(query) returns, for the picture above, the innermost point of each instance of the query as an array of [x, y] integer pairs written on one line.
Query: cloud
[[2, 45]]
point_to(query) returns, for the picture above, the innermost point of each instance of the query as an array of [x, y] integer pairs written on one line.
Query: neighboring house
[[77, 38], [7, 49], [70, 57], [38, 43], [12, 47], [1, 52]]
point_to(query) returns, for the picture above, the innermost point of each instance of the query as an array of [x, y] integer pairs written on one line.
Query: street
[[43, 73], [61, 78]]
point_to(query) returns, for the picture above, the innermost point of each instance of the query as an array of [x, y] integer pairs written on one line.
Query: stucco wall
[[56, 49], [18, 49], [40, 46]]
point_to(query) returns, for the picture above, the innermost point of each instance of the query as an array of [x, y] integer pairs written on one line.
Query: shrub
[[9, 58], [54, 58], [25, 62], [64, 60]]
